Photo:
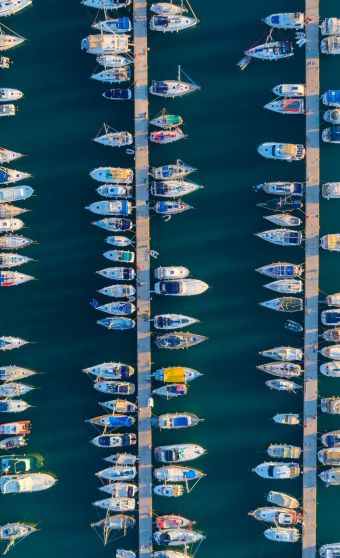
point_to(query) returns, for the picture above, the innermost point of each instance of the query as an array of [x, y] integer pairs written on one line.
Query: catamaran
[[113, 75], [282, 237], [281, 188], [172, 23], [282, 151], [290, 20], [118, 25], [173, 88], [290, 90], [287, 106], [104, 43], [183, 287]]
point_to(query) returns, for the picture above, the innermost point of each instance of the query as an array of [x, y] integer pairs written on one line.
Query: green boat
[[21, 463], [167, 121]]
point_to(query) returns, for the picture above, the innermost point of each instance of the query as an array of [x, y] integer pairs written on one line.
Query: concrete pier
[[310, 428], [143, 276]]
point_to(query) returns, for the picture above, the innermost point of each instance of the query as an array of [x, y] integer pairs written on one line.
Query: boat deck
[[310, 429], [143, 276]]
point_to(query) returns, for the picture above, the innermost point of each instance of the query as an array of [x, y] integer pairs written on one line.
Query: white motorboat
[[277, 515], [330, 45], [119, 241], [173, 88], [13, 278], [282, 237], [106, 4], [288, 20], [173, 188], [6, 155], [106, 207], [8, 41], [174, 421], [169, 491], [7, 95], [9, 343], [331, 242], [114, 440], [282, 500], [112, 175], [181, 287], [167, 8], [332, 335], [117, 25], [118, 273], [32, 482], [283, 220], [329, 550], [178, 453], [282, 534], [172, 171], [331, 477], [281, 369], [113, 75], [122, 459], [331, 190], [289, 286], [10, 225], [171, 272], [116, 504], [277, 470], [106, 43], [332, 351], [284, 451], [329, 456], [122, 256], [10, 7], [114, 139], [118, 291], [177, 537], [283, 353], [14, 373], [294, 189], [172, 321], [113, 60], [330, 26], [177, 473], [282, 151], [284, 304], [15, 193], [118, 473], [7, 110], [120, 489], [290, 90], [114, 224], [331, 369], [115, 191], [283, 385], [289, 419], [171, 23], [174, 374], [286, 106], [274, 50]]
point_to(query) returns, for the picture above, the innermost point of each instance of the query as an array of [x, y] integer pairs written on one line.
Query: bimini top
[[3, 176], [332, 97], [160, 87], [334, 134], [171, 287]]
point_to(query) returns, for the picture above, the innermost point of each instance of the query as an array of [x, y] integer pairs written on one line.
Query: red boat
[[167, 136], [173, 522], [287, 106], [19, 427]]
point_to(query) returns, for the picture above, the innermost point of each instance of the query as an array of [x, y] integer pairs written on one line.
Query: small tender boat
[[176, 374], [329, 456], [281, 269], [332, 351], [112, 175], [174, 421], [117, 94], [16, 406], [330, 405], [120, 241], [13, 278], [330, 45], [118, 473], [172, 321], [6, 95], [282, 534], [122, 459], [14, 242], [332, 116], [106, 4], [284, 304], [283, 385], [286, 106], [182, 287], [116, 522], [15, 373], [283, 237], [331, 242], [112, 421], [281, 188], [329, 550], [117, 323], [281, 369], [118, 291], [118, 25], [171, 272], [284, 220], [115, 388], [15, 193], [114, 139], [178, 340], [171, 23], [118, 273], [116, 504], [15, 428], [113, 60], [119, 406], [290, 90], [278, 516], [330, 26], [331, 477], [173, 88], [293, 326], [284, 451], [120, 489], [6, 155], [331, 135], [332, 335], [331, 98], [167, 8], [286, 203], [7, 8], [277, 470], [282, 151], [171, 390], [117, 308], [283, 353], [289, 286], [282, 500], [332, 300], [177, 537], [288, 20], [113, 75], [331, 369], [11, 259], [331, 190], [110, 371], [8, 41], [122, 256], [331, 439], [290, 419], [167, 136], [114, 440], [9, 343], [114, 224], [172, 521], [177, 473], [275, 50], [14, 389], [166, 122], [178, 453], [10, 225], [30, 482], [171, 207], [13, 442], [173, 188], [107, 207], [8, 210], [172, 491], [106, 43], [330, 317], [20, 463], [7, 110]]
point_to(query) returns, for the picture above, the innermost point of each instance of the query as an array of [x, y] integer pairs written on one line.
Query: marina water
[[225, 122]]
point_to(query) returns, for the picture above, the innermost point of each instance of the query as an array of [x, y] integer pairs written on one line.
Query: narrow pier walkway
[[311, 280], [143, 276]]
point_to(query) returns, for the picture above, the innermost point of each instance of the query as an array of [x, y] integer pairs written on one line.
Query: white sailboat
[[173, 88], [10, 7]]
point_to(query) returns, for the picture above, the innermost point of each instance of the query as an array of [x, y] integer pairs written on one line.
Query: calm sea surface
[[61, 112]]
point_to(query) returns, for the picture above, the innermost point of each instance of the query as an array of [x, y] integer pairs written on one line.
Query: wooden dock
[[143, 276], [310, 428]]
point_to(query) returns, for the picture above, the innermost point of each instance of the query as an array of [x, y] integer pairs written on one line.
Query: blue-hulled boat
[[331, 98], [118, 94], [112, 421], [331, 135], [119, 25], [331, 439], [120, 323]]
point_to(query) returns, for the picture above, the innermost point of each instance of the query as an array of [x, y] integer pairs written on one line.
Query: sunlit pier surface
[[311, 280]]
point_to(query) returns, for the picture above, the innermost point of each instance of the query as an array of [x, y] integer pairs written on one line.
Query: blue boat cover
[[170, 287], [333, 96], [3, 176], [162, 21], [333, 317], [180, 421], [119, 421], [334, 133], [332, 441], [189, 474], [3, 406], [123, 94], [160, 87], [275, 19]]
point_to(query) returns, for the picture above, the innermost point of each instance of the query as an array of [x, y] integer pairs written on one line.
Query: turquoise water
[[225, 122]]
